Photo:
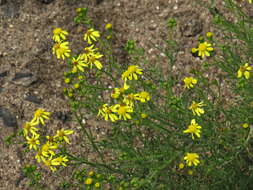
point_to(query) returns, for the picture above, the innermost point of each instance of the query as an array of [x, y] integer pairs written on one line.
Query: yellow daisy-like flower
[[245, 125], [61, 160], [118, 91], [93, 59], [97, 185], [123, 111], [61, 135], [88, 51], [47, 149], [131, 73], [209, 34], [143, 96], [40, 115], [78, 63], [196, 108], [50, 163], [194, 129], [203, 49], [88, 181], [192, 159], [108, 26], [244, 71], [108, 113], [61, 49], [28, 127], [189, 82], [129, 99], [59, 34], [181, 165], [90, 35], [33, 141]]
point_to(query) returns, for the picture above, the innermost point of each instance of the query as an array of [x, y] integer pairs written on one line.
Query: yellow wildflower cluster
[[87, 58], [46, 152], [125, 106], [93, 179]]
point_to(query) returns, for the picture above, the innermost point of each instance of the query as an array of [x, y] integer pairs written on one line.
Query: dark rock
[[99, 1], [32, 98], [25, 79], [192, 27], [3, 74], [2, 2], [9, 120], [1, 89], [11, 8], [61, 116], [46, 1]]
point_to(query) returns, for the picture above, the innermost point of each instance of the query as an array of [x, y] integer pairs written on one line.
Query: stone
[[192, 27], [2, 2], [3, 74], [46, 1], [9, 119], [62, 116], [31, 97], [25, 78]]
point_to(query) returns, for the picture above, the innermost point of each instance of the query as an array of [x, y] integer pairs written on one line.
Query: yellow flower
[[108, 26], [190, 172], [90, 35], [91, 173], [143, 96], [181, 166], [47, 149], [59, 34], [131, 73], [89, 51], [203, 49], [143, 115], [123, 111], [33, 141], [108, 113], [192, 159], [61, 49], [244, 71], [39, 156], [88, 181], [50, 163], [93, 59], [97, 185], [189, 82], [196, 108], [194, 129], [118, 91], [40, 115], [78, 63], [209, 34], [62, 135], [245, 125], [129, 99], [67, 80], [61, 160], [29, 128]]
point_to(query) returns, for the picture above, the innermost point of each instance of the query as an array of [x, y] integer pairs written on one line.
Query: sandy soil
[[26, 40]]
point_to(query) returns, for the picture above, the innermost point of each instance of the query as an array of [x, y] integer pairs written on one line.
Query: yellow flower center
[[192, 128], [243, 69], [122, 110], [89, 32], [191, 157], [194, 106], [27, 126], [108, 111], [61, 134], [38, 113], [202, 47]]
